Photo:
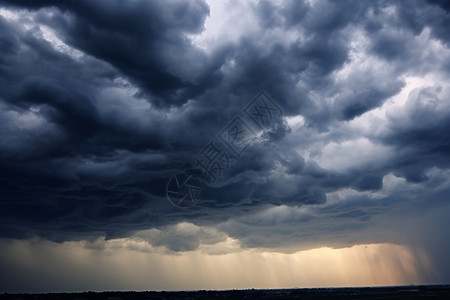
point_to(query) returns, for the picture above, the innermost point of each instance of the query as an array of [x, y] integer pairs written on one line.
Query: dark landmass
[[400, 292]]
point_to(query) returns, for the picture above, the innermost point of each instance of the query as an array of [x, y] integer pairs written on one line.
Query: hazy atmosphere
[[182, 145]]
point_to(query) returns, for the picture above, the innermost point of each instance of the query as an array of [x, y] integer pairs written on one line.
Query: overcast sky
[[330, 121]]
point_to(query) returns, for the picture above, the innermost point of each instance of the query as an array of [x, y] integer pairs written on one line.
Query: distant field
[[402, 292]]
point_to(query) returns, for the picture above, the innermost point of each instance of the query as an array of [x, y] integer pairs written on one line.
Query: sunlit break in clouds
[[182, 145]]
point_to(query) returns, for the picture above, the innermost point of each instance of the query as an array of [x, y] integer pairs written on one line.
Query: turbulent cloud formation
[[102, 102]]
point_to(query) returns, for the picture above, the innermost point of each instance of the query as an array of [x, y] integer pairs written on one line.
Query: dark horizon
[[397, 292]]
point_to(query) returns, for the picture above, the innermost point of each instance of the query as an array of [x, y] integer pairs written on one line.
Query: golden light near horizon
[[116, 266]]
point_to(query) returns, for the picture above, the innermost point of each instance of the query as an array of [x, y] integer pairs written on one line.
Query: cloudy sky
[[169, 145]]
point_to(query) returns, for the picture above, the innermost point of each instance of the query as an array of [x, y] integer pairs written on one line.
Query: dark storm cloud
[[92, 133], [422, 133], [144, 40], [71, 131]]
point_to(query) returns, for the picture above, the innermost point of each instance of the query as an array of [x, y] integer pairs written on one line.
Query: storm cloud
[[102, 102]]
